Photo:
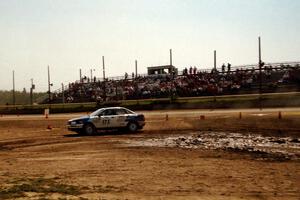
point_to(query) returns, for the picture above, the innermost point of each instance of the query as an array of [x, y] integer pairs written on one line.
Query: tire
[[132, 127], [89, 129]]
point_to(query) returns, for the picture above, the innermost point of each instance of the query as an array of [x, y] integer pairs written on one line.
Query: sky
[[69, 35]]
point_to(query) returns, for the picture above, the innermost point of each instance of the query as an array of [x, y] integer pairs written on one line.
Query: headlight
[[75, 122]]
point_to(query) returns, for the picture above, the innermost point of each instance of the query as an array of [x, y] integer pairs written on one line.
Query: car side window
[[121, 112], [109, 112]]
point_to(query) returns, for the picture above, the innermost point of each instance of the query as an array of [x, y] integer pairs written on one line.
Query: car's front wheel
[[132, 127], [89, 129]]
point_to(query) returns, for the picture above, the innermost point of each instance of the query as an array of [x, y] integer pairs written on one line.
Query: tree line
[[21, 97]]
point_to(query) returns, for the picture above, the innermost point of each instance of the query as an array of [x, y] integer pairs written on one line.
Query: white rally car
[[107, 118]]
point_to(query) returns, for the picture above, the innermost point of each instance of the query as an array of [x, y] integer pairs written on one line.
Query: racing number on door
[[105, 121]]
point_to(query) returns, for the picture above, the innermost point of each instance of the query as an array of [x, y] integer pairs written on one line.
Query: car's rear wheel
[[132, 127], [89, 129]]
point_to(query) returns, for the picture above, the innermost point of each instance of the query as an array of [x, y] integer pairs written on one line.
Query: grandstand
[[191, 82]]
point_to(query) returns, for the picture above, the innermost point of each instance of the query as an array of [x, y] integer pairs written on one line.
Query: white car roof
[[114, 108]]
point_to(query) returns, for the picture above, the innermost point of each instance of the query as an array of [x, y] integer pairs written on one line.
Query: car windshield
[[127, 111], [97, 112]]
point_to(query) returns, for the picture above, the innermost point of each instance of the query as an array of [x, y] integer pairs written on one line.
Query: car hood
[[86, 117]]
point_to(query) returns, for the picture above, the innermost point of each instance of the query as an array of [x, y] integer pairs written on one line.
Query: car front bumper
[[74, 126]]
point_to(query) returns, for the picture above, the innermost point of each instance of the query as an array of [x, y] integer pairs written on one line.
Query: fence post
[[279, 115]]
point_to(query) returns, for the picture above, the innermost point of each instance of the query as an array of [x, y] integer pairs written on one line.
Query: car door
[[121, 116], [109, 119], [99, 122]]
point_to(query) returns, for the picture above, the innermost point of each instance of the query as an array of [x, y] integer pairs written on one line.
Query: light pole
[[171, 57], [49, 86], [80, 76], [260, 64], [172, 71], [14, 95], [92, 74], [31, 91], [63, 93], [215, 60], [104, 81], [135, 68]]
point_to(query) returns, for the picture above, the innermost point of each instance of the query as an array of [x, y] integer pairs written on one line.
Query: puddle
[[276, 147]]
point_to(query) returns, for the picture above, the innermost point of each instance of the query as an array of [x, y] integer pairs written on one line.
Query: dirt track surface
[[178, 157]]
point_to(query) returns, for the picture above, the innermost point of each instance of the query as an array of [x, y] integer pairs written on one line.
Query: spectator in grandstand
[[191, 70], [223, 68], [190, 83], [185, 71], [228, 67], [195, 70]]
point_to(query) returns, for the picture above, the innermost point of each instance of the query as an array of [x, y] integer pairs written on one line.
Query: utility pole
[[260, 64], [215, 71], [14, 95], [172, 76], [104, 81], [135, 68], [80, 76], [49, 88], [92, 74], [103, 67], [215, 60], [172, 72], [171, 57], [63, 92], [31, 91]]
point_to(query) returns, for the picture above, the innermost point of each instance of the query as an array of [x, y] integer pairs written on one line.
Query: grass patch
[[39, 185]]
